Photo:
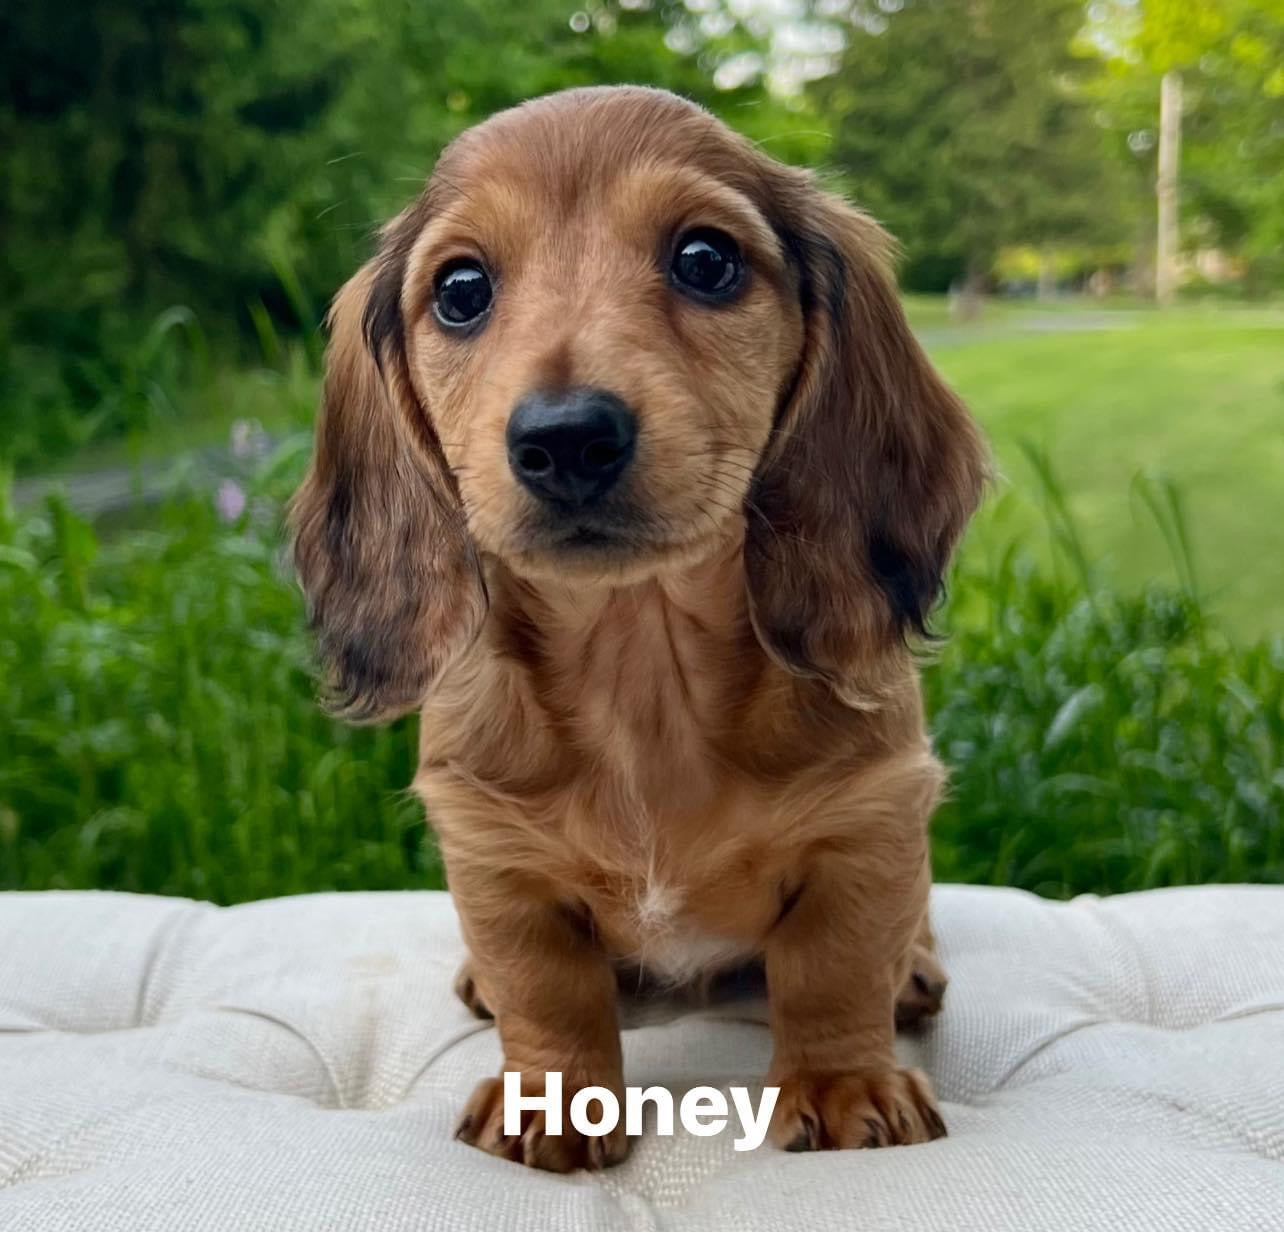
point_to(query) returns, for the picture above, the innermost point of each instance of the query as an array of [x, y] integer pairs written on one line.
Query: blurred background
[[1090, 198]]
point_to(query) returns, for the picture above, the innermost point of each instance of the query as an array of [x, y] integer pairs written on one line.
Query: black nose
[[570, 447]]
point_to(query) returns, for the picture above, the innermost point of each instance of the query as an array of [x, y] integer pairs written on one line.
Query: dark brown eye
[[462, 293], [708, 264]]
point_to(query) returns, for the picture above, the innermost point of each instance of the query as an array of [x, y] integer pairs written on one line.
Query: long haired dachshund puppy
[[632, 479]]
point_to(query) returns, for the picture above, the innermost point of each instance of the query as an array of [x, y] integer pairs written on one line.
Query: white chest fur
[[671, 946]]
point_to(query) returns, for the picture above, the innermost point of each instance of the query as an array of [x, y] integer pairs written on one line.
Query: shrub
[[158, 729], [159, 732], [1104, 742]]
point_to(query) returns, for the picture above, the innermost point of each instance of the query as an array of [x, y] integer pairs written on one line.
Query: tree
[[235, 156], [1229, 58], [960, 125]]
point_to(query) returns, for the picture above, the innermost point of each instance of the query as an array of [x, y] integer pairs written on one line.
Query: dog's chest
[[673, 941], [678, 896], [642, 813], [670, 837]]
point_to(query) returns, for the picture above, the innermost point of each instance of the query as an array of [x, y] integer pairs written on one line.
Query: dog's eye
[[708, 263], [462, 293]]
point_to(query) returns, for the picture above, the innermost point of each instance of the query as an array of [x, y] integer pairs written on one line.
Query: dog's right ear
[[395, 591]]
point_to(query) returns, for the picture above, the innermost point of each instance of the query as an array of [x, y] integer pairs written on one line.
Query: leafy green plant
[[159, 730], [1103, 741]]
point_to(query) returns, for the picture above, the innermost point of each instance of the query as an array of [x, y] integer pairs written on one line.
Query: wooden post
[[1047, 284], [1169, 238]]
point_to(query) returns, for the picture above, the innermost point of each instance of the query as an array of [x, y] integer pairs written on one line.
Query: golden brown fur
[[701, 745]]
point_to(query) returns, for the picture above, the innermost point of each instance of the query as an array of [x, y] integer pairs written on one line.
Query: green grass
[[1102, 740], [166, 388], [158, 730], [1109, 699], [157, 724], [1196, 394]]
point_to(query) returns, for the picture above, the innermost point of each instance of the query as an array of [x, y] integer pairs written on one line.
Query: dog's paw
[[467, 992], [874, 1108], [482, 1125], [924, 991]]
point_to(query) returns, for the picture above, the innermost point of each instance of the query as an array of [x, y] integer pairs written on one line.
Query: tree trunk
[[1169, 239], [1047, 284], [967, 298]]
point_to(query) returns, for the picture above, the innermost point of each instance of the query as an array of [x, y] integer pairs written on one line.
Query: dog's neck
[[647, 673], [709, 592], [689, 624], [656, 694]]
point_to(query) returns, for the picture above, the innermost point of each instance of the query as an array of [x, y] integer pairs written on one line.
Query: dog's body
[[682, 821], [672, 725]]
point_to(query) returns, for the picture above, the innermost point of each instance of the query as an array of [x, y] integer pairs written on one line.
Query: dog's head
[[610, 337]]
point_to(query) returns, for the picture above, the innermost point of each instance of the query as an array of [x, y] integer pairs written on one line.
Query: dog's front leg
[[553, 994], [835, 964]]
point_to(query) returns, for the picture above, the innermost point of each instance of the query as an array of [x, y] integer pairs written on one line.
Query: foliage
[[225, 162], [1104, 740], [235, 156], [962, 127], [159, 731], [1230, 54], [1177, 34]]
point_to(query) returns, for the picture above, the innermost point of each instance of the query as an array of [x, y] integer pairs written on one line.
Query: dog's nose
[[570, 447]]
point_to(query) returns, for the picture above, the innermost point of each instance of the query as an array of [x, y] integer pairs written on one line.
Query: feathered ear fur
[[394, 588], [872, 473]]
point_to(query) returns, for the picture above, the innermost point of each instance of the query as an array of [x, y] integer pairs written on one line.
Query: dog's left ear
[[872, 472]]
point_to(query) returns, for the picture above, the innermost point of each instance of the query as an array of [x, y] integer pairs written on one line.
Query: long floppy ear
[[393, 584], [871, 475]]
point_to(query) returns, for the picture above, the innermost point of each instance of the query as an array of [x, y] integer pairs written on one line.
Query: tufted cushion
[[298, 1063]]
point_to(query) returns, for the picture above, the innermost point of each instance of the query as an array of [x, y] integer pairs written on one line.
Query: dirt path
[[109, 490], [1030, 326]]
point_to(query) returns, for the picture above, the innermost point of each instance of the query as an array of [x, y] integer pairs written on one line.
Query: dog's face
[[600, 327], [610, 336]]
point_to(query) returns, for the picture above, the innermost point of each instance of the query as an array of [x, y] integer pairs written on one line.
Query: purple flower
[[229, 500]]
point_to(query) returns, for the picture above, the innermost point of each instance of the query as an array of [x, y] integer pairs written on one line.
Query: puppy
[[632, 479]]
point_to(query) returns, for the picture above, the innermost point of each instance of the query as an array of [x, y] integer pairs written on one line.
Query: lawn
[[1196, 395], [1107, 392], [158, 728]]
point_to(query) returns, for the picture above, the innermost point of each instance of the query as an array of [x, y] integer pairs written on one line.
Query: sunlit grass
[[1109, 389], [1196, 395], [1103, 739], [158, 729]]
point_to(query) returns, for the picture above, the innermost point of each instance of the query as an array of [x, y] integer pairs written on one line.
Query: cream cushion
[[298, 1064]]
